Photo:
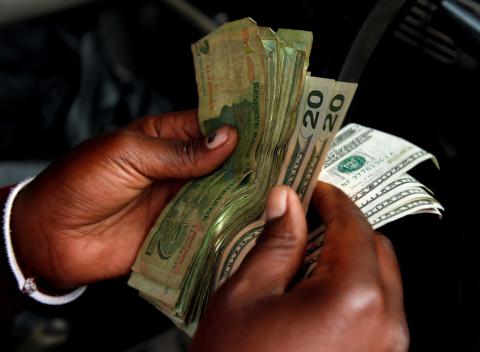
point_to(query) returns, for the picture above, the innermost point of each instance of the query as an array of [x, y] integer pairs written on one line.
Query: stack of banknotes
[[256, 80]]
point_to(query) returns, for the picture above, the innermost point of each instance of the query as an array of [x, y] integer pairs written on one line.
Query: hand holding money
[[256, 80], [351, 302], [98, 203], [84, 218]]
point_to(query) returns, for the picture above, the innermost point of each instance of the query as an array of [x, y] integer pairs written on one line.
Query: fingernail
[[277, 203], [217, 138]]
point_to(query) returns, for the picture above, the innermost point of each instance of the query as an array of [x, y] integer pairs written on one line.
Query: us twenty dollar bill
[[256, 80], [371, 167], [322, 110]]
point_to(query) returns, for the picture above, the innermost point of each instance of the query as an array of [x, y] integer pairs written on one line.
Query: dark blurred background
[[73, 69]]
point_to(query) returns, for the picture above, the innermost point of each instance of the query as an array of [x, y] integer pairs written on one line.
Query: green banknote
[[256, 80]]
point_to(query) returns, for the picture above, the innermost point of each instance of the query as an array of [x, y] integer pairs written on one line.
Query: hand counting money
[[256, 80]]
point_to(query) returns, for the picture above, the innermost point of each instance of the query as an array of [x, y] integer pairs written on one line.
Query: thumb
[[158, 158], [278, 254]]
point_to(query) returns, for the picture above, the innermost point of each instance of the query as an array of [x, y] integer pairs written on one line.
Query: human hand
[[85, 217], [353, 301]]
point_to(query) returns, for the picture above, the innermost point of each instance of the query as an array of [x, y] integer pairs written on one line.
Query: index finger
[[349, 249], [181, 125]]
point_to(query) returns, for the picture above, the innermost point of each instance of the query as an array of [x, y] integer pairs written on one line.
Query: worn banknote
[[257, 80]]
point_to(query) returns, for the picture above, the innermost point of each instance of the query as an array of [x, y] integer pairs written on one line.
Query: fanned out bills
[[256, 80]]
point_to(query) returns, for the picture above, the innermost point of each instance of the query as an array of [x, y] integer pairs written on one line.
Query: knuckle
[[185, 152], [122, 148], [366, 301], [368, 304], [280, 250], [281, 240], [285, 241]]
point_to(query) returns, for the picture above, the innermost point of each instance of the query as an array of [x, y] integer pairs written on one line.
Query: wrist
[[27, 253], [28, 242]]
